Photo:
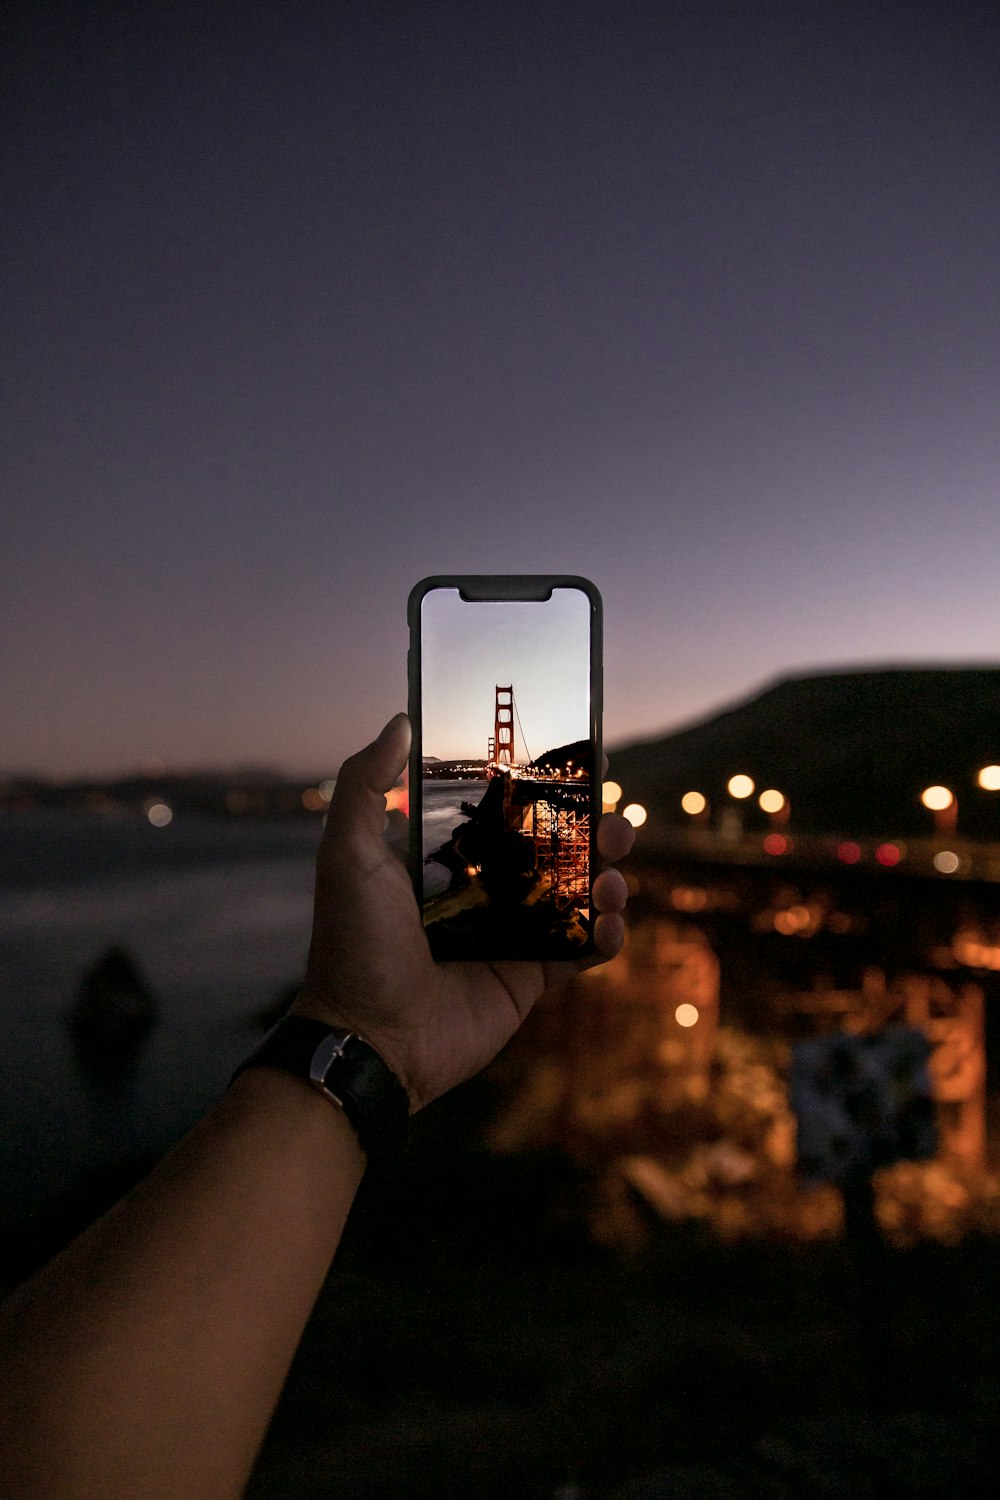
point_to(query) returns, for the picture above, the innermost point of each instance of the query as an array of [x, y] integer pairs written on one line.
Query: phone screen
[[507, 750]]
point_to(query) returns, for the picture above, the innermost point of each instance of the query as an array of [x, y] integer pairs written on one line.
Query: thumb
[[357, 811]]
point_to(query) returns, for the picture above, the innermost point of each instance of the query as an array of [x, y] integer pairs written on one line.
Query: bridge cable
[[520, 726]]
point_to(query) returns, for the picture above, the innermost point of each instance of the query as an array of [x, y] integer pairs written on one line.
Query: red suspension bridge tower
[[502, 743], [545, 804]]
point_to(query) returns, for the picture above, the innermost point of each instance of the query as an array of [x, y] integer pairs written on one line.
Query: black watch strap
[[349, 1071]]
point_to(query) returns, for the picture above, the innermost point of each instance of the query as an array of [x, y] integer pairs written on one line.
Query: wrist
[[311, 1009], [300, 1111], [345, 1069]]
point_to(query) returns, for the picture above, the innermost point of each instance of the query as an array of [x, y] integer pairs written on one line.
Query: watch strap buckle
[[330, 1049]]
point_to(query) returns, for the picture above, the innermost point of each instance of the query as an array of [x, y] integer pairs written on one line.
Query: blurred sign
[[861, 1103]]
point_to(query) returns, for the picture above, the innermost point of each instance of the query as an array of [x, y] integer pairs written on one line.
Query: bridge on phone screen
[[547, 802]]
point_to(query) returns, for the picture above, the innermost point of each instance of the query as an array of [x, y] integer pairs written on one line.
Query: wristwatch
[[349, 1072]]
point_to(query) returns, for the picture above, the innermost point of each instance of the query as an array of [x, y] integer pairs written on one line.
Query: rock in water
[[114, 1009]]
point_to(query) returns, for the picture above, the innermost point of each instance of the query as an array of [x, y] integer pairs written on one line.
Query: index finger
[[615, 836]]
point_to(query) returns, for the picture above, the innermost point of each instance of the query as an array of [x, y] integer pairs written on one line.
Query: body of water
[[442, 812], [217, 916]]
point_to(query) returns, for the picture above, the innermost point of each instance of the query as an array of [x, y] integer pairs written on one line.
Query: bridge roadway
[[572, 796], [914, 856]]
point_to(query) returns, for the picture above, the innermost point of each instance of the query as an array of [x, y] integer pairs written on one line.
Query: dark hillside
[[556, 759], [852, 750]]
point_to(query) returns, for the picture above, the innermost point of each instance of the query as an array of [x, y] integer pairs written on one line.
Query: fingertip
[[392, 745], [609, 934], [393, 725], [372, 771], [615, 836], [610, 891]]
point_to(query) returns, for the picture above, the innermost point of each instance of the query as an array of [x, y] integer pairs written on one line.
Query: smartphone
[[505, 697]]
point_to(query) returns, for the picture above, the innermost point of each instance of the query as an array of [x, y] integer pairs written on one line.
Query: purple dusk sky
[[306, 301]]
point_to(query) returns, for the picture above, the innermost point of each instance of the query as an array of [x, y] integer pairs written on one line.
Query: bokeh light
[[635, 814], [936, 798], [694, 803], [792, 920], [686, 1015], [610, 795], [946, 861], [313, 799], [159, 814], [740, 787], [989, 778], [771, 801], [971, 948], [849, 852], [776, 843], [889, 854], [689, 898]]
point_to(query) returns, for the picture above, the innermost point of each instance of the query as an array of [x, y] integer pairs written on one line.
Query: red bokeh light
[[888, 854], [776, 843], [397, 799], [848, 852]]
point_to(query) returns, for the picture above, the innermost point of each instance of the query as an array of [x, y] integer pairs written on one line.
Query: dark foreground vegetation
[[475, 1341]]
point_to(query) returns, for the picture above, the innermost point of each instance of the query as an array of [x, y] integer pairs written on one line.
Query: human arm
[[146, 1359]]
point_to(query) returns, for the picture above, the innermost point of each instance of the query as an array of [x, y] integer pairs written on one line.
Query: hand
[[370, 967]]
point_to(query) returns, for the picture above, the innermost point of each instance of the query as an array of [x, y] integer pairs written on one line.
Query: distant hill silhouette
[[852, 750], [555, 759]]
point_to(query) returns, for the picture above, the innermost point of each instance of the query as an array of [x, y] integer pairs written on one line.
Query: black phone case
[[487, 587]]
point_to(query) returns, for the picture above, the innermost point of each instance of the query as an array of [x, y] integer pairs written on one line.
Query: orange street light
[[610, 795], [777, 807], [942, 802], [989, 778], [740, 787], [694, 803]]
